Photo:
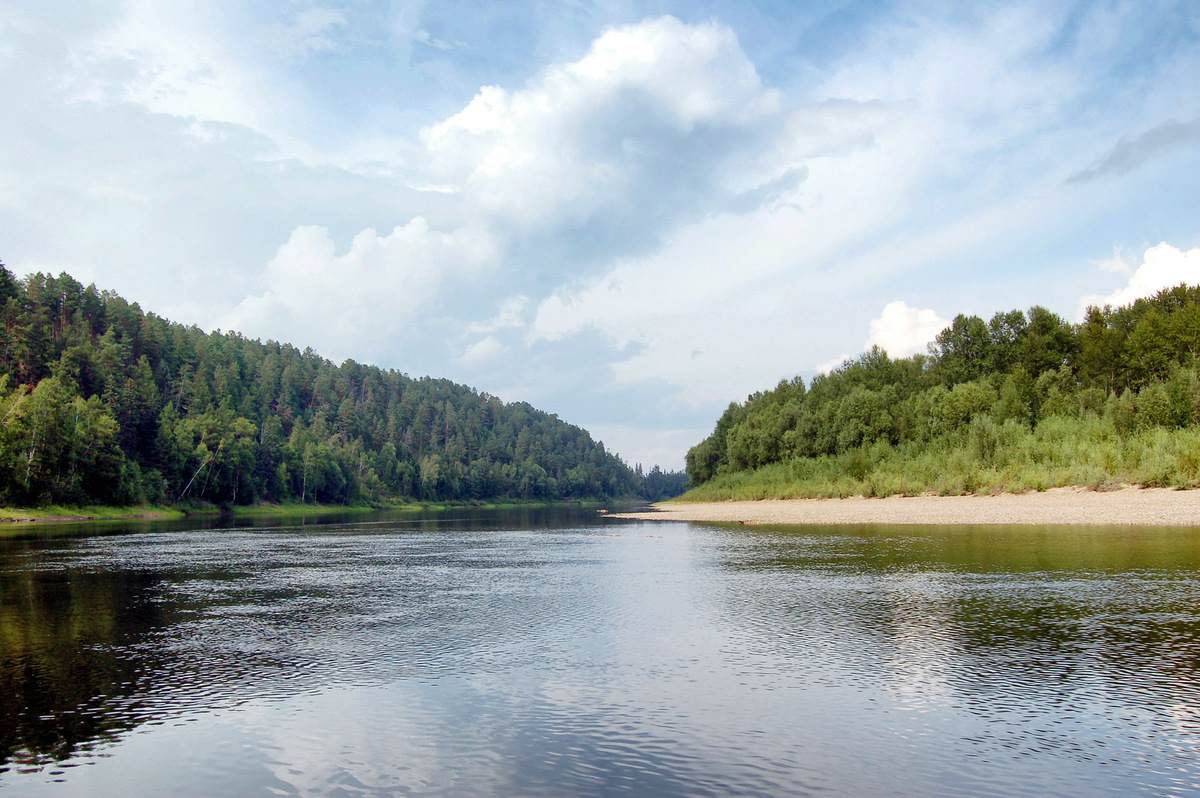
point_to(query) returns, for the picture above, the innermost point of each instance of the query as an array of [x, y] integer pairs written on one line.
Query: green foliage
[[986, 458], [1024, 401], [103, 403], [56, 446], [963, 349]]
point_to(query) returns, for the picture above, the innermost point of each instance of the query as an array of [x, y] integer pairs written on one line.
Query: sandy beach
[[1127, 506]]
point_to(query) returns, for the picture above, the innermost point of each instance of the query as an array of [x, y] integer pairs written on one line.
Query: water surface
[[546, 652]]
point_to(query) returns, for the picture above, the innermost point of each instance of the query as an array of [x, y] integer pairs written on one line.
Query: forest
[[1024, 400], [103, 403]]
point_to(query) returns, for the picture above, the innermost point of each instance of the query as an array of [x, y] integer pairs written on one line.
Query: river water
[[553, 653]]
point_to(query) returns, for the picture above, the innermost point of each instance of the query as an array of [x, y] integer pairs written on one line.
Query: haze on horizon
[[628, 213]]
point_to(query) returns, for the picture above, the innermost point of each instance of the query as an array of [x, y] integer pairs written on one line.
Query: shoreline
[[1127, 506], [62, 514]]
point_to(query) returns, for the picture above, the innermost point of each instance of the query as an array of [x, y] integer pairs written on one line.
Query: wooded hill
[[104, 403], [1023, 400]]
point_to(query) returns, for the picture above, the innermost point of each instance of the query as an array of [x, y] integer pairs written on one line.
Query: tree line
[[102, 402], [1012, 380]]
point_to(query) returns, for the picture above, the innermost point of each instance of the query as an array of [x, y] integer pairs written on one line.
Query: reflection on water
[[539, 652]]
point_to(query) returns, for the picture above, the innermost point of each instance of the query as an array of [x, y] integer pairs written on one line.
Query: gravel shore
[[1127, 506]]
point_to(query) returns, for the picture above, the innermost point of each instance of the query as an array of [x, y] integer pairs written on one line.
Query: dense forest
[[1022, 401], [104, 403]]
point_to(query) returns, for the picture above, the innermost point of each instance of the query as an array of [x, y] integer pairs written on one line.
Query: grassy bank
[[288, 510], [95, 512], [101, 512], [283, 511], [983, 458], [297, 510]]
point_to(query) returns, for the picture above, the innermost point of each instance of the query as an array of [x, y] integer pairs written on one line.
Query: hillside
[[1022, 401], [104, 403]]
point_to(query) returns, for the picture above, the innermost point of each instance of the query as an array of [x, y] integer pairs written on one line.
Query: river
[[550, 652]]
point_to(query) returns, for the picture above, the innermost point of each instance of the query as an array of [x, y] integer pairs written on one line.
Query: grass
[[511, 504], [985, 458], [91, 512], [297, 510], [283, 511]]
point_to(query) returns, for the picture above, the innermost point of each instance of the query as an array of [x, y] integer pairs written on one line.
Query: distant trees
[[101, 402], [1135, 366], [658, 484]]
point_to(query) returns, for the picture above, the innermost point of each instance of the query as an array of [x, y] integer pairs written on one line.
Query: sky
[[626, 213]]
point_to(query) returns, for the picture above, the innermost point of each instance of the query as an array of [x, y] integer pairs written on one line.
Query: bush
[[1154, 407], [987, 457], [1121, 412]]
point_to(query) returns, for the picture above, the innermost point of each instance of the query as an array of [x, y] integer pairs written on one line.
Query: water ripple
[[398, 658]]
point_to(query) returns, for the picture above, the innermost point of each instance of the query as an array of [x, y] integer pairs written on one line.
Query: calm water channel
[[546, 652]]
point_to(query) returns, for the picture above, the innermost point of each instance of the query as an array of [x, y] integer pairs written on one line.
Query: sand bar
[[1127, 506]]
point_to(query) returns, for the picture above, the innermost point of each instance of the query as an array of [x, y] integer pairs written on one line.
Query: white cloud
[[587, 140], [1118, 263], [644, 209], [484, 349], [510, 315], [314, 294], [426, 38], [657, 121], [831, 364], [226, 64], [752, 289], [1162, 266], [902, 330], [556, 318], [181, 66]]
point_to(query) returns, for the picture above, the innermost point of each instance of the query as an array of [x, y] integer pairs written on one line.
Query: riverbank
[[986, 458], [1125, 506], [64, 514]]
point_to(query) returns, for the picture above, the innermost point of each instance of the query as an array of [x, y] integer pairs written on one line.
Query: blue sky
[[626, 213]]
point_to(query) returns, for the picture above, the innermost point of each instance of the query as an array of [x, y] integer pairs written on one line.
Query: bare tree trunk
[[32, 454], [193, 479], [211, 457]]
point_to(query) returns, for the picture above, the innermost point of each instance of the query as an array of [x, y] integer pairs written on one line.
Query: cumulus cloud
[[313, 293], [593, 159], [557, 317], [618, 200], [1162, 266], [902, 330], [831, 364], [878, 138], [652, 120]]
